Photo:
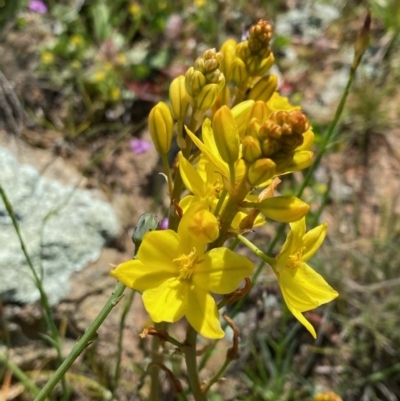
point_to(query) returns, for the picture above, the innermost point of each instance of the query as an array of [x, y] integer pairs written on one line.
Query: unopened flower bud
[[194, 81], [285, 209], [251, 149], [147, 222], [264, 88], [204, 226], [261, 171], [253, 128], [282, 161], [226, 135], [178, 98], [270, 146], [241, 114], [161, 126], [266, 64], [228, 49], [301, 160], [239, 72], [259, 111], [362, 42], [207, 97]]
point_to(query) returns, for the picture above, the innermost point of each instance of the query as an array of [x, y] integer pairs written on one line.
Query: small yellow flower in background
[[121, 59], [108, 66], [303, 289], [115, 94], [200, 3], [76, 40], [47, 57], [99, 76], [328, 396], [176, 275], [134, 9], [76, 64]]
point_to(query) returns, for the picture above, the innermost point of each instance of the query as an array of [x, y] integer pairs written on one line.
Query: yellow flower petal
[[221, 271], [202, 314], [305, 289], [210, 150], [191, 178], [139, 276], [167, 302], [159, 248], [312, 240]]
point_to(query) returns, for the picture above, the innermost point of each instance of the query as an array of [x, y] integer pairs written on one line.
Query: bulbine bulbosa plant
[[237, 135]]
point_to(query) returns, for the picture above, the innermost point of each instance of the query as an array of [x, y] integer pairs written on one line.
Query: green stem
[[168, 173], [220, 202], [217, 376], [38, 283], [19, 374], [82, 343], [127, 308], [191, 363], [156, 359], [255, 250], [229, 212]]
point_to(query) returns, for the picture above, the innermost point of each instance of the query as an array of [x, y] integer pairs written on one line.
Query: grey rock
[[63, 228]]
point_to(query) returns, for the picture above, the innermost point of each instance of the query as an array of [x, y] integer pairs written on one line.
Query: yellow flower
[[99, 76], [47, 57], [121, 59], [134, 9], [176, 275], [76, 40], [303, 288], [115, 94]]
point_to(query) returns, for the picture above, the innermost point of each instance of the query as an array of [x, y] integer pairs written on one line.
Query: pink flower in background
[[140, 146], [164, 224], [38, 6]]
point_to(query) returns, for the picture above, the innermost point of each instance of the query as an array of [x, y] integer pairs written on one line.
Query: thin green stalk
[[127, 308], [191, 364], [168, 173], [83, 342], [156, 359], [220, 202], [217, 376], [19, 374], [38, 283], [255, 249]]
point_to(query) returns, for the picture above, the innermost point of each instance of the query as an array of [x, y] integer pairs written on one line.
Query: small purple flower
[[38, 6], [164, 224], [140, 146]]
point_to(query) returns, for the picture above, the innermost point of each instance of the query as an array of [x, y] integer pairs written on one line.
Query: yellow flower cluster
[[329, 396], [236, 135]]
